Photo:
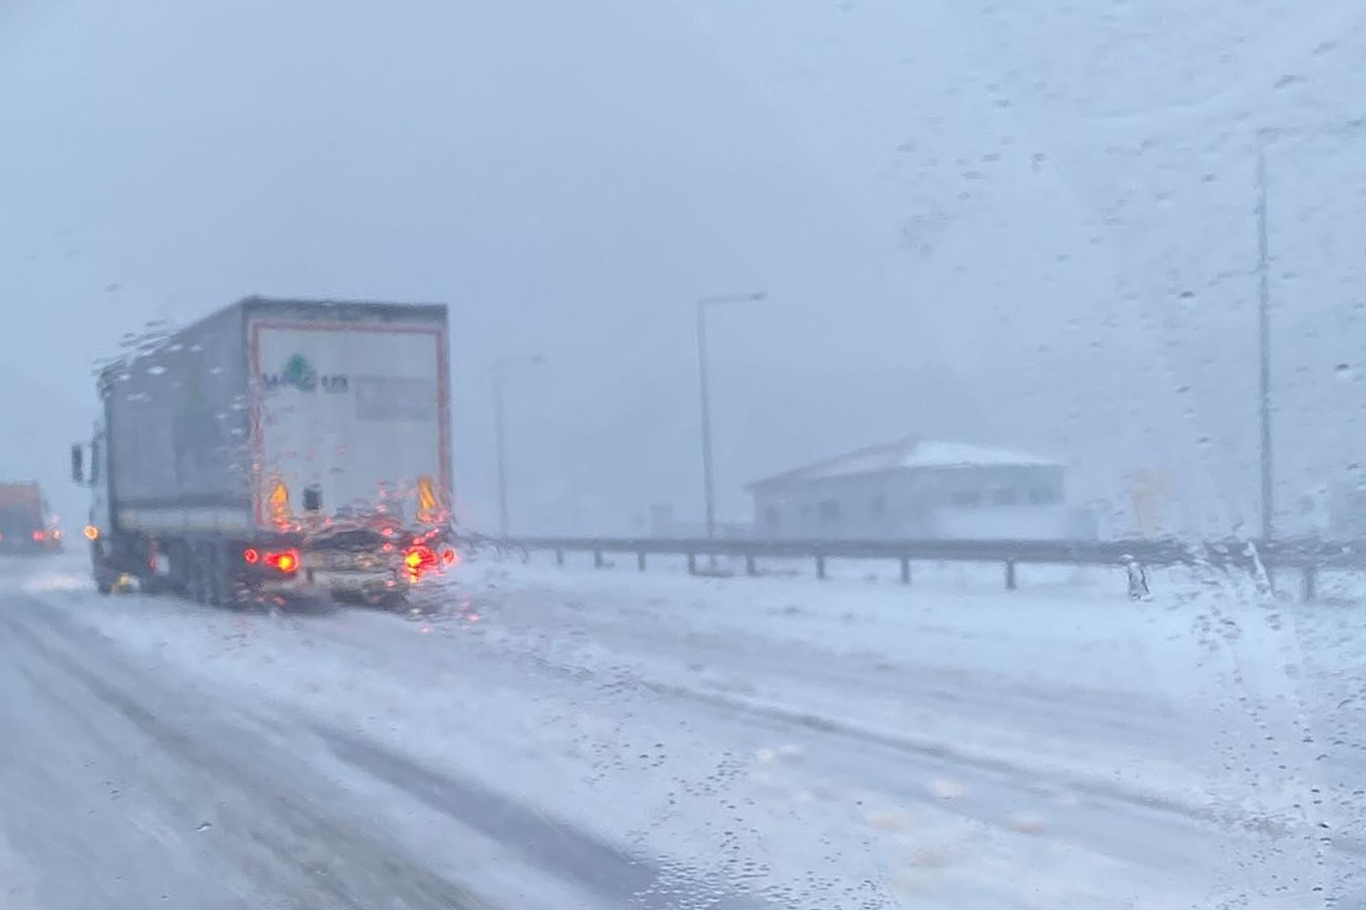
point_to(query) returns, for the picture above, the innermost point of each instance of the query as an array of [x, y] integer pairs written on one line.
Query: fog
[[1032, 227]]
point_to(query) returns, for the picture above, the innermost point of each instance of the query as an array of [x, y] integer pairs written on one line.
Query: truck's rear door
[[349, 418]]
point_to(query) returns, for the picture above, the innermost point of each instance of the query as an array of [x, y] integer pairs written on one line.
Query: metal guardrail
[[1307, 556]]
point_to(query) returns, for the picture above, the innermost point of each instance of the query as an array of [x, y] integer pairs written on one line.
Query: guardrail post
[[640, 560], [820, 566], [750, 569], [559, 556], [597, 559], [905, 570], [1010, 575], [692, 563], [1309, 588]]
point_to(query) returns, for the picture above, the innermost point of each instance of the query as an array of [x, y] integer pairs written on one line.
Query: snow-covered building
[[917, 489]]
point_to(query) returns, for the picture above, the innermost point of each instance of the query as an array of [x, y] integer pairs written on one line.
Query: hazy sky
[[1029, 227]]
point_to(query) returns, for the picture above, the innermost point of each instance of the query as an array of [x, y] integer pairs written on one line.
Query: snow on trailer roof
[[910, 453], [155, 338]]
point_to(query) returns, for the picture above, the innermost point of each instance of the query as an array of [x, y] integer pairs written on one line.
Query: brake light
[[418, 559], [39, 536], [448, 556], [286, 561], [251, 556]]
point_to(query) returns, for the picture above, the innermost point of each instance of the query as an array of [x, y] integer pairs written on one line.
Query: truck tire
[[218, 576], [99, 573], [199, 575], [395, 601]]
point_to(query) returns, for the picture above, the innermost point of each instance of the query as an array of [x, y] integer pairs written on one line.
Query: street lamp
[[1266, 136], [708, 488], [500, 371], [1264, 338]]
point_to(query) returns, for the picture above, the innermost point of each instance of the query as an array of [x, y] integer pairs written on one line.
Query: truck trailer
[[26, 525], [274, 449]]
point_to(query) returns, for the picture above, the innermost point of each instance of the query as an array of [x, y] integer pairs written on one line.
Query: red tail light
[[448, 556], [418, 559], [286, 561], [39, 536], [251, 556]]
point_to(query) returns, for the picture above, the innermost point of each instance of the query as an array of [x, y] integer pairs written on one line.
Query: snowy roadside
[[1069, 685], [579, 696], [1209, 700]]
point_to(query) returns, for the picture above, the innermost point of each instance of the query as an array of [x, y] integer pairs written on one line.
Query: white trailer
[[277, 447]]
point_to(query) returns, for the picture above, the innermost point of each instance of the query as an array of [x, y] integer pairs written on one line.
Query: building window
[[1042, 495], [1005, 496], [830, 510], [771, 520], [966, 499], [878, 506]]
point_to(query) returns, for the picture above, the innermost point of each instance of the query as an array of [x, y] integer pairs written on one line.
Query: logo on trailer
[[299, 373]]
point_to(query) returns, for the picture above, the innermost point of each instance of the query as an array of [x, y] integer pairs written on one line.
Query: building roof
[[911, 453]]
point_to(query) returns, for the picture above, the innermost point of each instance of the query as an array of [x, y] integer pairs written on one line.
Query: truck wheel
[[218, 577], [393, 600], [98, 571], [199, 575]]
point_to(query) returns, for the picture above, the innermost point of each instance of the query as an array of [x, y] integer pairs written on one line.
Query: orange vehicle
[[25, 525]]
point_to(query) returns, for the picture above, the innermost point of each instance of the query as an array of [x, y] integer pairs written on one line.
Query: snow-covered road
[[569, 738], [121, 789]]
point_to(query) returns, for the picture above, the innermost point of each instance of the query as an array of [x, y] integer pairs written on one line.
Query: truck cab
[[90, 469]]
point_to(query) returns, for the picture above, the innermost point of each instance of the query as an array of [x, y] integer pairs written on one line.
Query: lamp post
[[501, 366], [1264, 138], [1264, 341], [708, 480]]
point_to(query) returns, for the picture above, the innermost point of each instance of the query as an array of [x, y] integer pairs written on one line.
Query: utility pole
[[708, 479], [500, 368]]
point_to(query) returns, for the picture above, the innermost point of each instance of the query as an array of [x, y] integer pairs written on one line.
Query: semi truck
[[276, 449], [26, 525]]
